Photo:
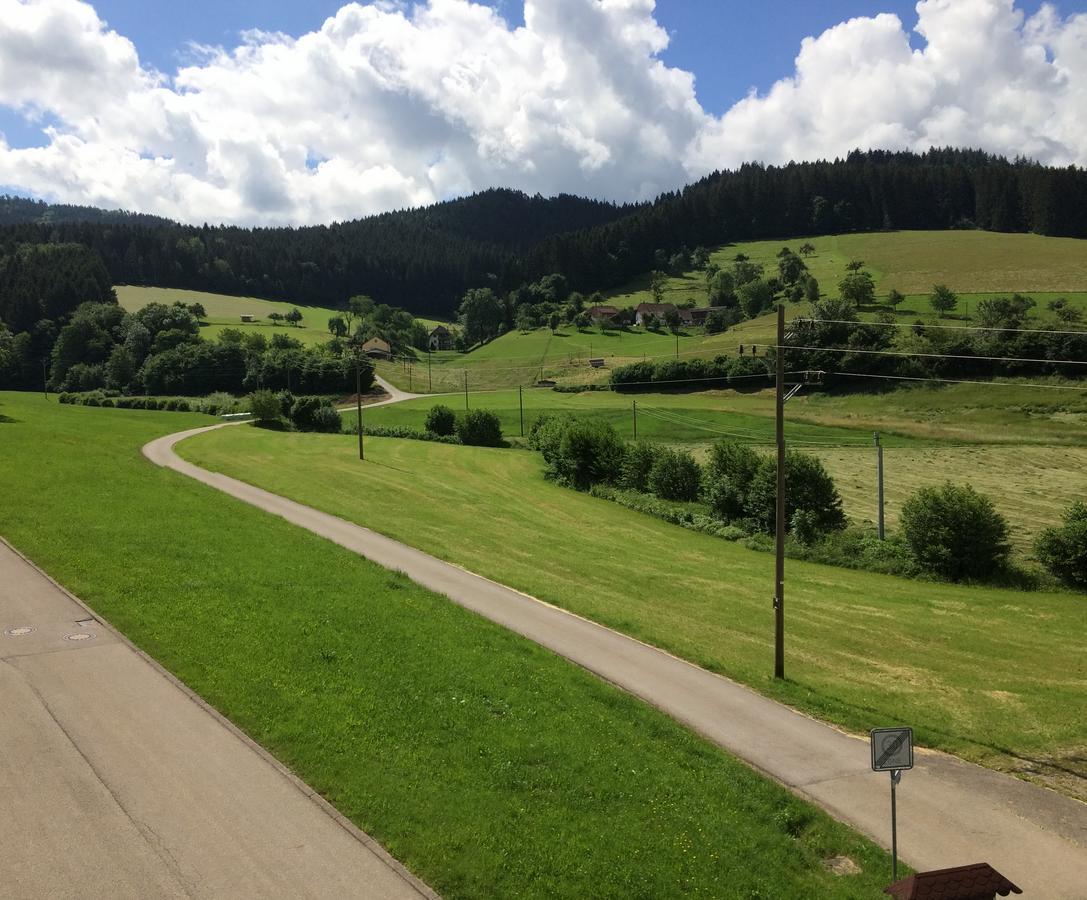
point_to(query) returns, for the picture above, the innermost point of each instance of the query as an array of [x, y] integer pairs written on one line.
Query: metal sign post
[[892, 751]]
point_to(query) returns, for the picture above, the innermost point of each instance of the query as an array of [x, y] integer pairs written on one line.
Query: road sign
[[892, 749]]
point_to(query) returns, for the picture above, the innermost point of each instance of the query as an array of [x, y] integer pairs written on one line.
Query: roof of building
[[960, 883], [376, 343], [602, 310], [439, 329]]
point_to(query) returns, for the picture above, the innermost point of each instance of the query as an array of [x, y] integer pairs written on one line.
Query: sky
[[278, 112]]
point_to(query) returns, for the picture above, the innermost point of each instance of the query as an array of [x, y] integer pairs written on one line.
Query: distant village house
[[602, 313], [376, 348], [645, 310], [441, 338]]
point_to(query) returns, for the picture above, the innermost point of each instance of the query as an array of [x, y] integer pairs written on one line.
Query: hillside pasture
[[225, 312]]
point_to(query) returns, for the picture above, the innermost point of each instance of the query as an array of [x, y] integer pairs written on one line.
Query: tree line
[[427, 259]]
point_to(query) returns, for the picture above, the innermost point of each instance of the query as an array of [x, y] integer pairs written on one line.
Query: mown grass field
[[1032, 489], [994, 675], [486, 764], [692, 418], [224, 311]]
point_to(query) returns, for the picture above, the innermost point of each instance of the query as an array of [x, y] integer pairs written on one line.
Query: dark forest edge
[[426, 259]]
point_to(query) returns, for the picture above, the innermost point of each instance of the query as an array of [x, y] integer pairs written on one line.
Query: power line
[[1081, 332], [1021, 359], [1024, 384]]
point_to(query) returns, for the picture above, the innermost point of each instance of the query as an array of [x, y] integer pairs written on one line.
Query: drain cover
[[20, 631], [85, 636]]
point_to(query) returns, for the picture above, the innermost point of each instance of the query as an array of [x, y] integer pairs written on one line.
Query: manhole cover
[[85, 636], [20, 631]]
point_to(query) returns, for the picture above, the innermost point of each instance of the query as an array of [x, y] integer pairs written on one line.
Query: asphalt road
[[950, 812], [117, 782]]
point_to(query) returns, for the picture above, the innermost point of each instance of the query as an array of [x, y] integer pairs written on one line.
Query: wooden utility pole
[[358, 403], [466, 390], [634, 411], [429, 374], [779, 518], [879, 483], [521, 404]]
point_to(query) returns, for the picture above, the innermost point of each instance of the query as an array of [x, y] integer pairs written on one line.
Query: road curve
[[950, 812]]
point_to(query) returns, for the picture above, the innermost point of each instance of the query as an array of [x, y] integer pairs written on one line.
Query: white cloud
[[389, 106]]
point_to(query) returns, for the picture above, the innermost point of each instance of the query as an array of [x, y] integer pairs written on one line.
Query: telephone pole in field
[[779, 517], [358, 403], [879, 482]]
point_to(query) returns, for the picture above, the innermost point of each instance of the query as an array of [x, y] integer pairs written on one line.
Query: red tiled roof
[[979, 881]]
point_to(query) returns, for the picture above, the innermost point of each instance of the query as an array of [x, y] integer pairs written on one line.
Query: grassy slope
[[224, 311], [668, 418], [989, 674], [974, 263], [489, 766], [923, 431]]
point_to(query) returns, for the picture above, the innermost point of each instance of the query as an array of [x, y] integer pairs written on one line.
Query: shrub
[[212, 409], [729, 472], [441, 420], [327, 420], [675, 475], [480, 428], [637, 463], [170, 405], [226, 402], [64, 397], [138, 402], [286, 402], [578, 452], [1063, 550], [808, 487], [955, 532], [107, 402], [183, 406], [264, 405], [304, 412], [152, 403]]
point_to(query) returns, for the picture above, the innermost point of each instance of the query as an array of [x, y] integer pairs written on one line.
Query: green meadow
[[988, 674], [488, 765]]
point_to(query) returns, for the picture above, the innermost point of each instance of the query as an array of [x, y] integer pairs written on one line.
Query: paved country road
[[950, 812], [116, 782]]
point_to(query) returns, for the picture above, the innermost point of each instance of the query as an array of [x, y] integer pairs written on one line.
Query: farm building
[[248, 317], [644, 310], [441, 338], [602, 313], [376, 348]]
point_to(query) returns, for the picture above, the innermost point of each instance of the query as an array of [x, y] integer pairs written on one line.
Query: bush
[[152, 403], [170, 405], [441, 420], [579, 452], [955, 532], [265, 406], [107, 402], [183, 406], [637, 464], [286, 402], [675, 475], [1063, 550], [808, 488], [327, 420], [305, 412], [729, 472], [480, 428]]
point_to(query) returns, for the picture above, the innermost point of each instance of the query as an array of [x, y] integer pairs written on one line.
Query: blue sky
[[730, 47], [404, 115]]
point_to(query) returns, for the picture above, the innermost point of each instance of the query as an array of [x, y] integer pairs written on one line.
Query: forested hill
[[425, 259], [22, 210]]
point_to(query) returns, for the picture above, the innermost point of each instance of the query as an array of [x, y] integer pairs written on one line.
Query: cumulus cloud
[[389, 105]]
